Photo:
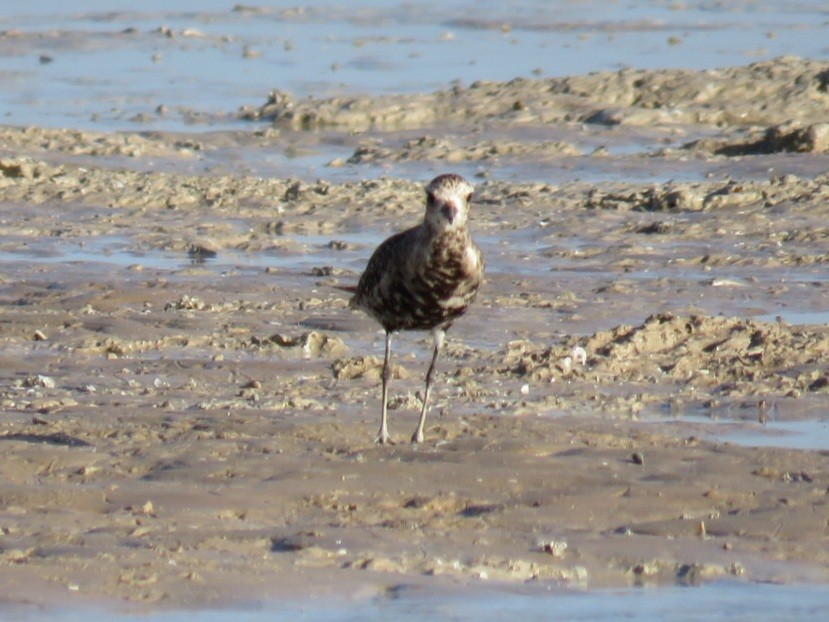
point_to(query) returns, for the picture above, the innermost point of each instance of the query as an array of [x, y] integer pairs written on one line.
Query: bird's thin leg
[[438, 334], [383, 436]]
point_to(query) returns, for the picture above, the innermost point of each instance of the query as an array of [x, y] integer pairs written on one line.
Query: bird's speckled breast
[[454, 261], [419, 281], [448, 280]]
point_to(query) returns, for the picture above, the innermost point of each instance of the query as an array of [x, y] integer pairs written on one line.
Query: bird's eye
[[469, 197], [430, 198]]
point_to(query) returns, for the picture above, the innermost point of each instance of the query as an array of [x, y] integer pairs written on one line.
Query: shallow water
[[786, 434], [105, 64], [168, 66], [727, 601], [806, 434], [797, 317]]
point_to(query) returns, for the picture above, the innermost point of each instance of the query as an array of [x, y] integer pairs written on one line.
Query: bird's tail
[[351, 289]]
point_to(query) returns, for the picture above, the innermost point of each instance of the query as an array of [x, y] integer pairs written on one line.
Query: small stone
[[555, 548], [39, 335], [637, 458], [580, 355], [646, 569], [47, 382], [293, 543], [185, 302], [200, 253]]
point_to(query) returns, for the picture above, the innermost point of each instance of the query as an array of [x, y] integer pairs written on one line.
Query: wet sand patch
[[188, 403]]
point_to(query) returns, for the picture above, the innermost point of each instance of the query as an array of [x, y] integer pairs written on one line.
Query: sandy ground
[[188, 405]]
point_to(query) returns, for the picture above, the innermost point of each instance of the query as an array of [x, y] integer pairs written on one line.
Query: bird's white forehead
[[449, 186]]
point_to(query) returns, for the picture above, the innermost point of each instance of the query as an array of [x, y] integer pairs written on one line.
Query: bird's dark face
[[447, 202]]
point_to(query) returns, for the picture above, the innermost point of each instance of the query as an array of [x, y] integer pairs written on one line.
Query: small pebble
[[580, 355], [46, 382], [555, 548], [637, 458]]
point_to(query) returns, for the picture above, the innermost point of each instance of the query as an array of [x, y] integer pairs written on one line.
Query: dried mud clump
[[447, 150], [366, 366], [716, 97], [790, 137], [687, 198], [720, 97], [711, 355], [99, 144], [312, 342]]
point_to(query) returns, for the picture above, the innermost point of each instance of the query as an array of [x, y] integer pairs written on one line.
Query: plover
[[423, 278]]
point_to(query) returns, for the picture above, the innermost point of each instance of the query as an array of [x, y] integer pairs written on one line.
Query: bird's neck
[[454, 231]]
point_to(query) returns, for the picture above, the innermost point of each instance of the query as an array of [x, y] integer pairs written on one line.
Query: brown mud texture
[[188, 404]]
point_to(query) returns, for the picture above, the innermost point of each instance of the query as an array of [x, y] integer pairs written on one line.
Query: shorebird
[[423, 278]]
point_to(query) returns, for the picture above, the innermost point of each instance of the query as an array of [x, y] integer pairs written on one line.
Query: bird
[[423, 278]]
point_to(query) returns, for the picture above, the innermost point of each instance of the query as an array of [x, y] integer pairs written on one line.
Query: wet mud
[[188, 404]]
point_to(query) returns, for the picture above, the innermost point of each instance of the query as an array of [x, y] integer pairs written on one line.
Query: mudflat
[[189, 405]]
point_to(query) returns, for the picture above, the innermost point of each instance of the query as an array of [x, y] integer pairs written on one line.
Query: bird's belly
[[419, 305]]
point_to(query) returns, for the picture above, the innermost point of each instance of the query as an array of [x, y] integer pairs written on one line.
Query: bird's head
[[447, 202]]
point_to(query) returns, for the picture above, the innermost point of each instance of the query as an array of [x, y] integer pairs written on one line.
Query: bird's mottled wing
[[384, 262]]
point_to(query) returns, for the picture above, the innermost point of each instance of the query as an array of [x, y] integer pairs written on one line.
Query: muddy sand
[[188, 405]]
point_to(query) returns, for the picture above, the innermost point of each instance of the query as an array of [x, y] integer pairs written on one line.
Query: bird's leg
[[438, 335], [383, 436]]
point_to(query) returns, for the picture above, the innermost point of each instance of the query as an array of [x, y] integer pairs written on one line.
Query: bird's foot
[[383, 439], [417, 437]]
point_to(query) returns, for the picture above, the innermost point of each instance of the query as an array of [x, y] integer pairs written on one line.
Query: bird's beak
[[450, 212]]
